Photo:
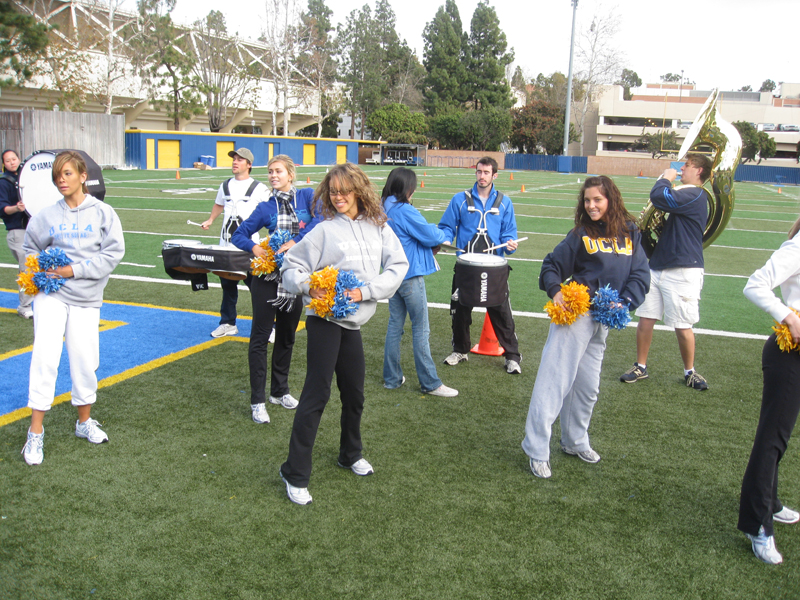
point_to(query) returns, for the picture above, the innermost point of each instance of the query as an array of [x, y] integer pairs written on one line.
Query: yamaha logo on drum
[[203, 257], [484, 286], [40, 166]]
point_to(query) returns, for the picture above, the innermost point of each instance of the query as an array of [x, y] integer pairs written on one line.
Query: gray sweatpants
[[15, 237], [567, 383]]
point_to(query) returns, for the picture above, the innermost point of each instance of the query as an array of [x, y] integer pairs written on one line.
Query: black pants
[[502, 322], [264, 313], [230, 296], [331, 349], [780, 404]]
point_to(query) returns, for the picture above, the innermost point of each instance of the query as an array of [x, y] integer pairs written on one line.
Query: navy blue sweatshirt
[[681, 241], [597, 262]]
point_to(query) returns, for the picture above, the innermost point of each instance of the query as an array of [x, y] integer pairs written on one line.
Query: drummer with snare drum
[[479, 219]]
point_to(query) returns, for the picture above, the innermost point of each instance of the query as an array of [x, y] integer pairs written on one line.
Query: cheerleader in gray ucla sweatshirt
[[352, 236], [604, 248]]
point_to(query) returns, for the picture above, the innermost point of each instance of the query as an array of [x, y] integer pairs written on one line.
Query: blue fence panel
[[763, 174], [545, 162], [579, 164]]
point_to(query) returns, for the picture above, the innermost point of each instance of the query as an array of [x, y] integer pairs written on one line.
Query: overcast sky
[[717, 43]]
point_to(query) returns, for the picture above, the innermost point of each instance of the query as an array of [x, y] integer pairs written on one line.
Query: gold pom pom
[[25, 282], [32, 262], [576, 304], [784, 337], [323, 279]]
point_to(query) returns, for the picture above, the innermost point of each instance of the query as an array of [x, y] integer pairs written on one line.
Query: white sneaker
[[402, 381], [33, 451], [455, 358], [360, 467], [513, 368], [764, 547], [286, 401], [296, 494], [260, 413], [90, 430], [444, 392], [224, 330], [786, 515], [540, 468], [272, 336], [589, 456], [26, 312]]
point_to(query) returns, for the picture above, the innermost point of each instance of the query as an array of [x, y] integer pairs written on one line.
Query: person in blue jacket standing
[[288, 209], [418, 238], [478, 219], [676, 268]]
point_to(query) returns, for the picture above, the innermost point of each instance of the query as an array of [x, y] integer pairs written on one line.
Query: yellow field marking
[[104, 326]]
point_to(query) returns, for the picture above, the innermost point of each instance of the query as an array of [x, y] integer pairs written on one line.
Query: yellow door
[[271, 151], [151, 153], [223, 160], [169, 154], [309, 154], [341, 155]]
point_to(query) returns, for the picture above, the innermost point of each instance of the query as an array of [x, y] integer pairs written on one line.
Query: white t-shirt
[[239, 205]]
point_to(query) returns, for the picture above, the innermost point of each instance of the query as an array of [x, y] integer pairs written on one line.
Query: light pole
[[680, 88], [569, 77]]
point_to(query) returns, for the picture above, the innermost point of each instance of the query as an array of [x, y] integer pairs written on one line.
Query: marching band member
[[12, 210], [759, 506], [352, 236], [418, 238], [288, 209], [602, 249], [90, 234]]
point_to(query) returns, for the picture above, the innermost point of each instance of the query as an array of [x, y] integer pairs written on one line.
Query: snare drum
[[481, 279], [180, 244]]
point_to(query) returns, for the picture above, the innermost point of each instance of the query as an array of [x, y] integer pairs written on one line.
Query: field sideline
[[185, 502]]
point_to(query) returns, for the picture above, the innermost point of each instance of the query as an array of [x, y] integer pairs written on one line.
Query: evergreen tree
[[22, 43], [487, 60], [444, 59], [319, 65]]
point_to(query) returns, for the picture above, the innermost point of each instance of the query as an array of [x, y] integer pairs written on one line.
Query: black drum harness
[[232, 224]]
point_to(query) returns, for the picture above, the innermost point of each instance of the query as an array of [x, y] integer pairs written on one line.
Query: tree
[[487, 60], [23, 42], [317, 62], [658, 144], [392, 120], [518, 81], [538, 128], [486, 129], [768, 86], [746, 88], [443, 59], [628, 79], [756, 145], [164, 59], [553, 89], [224, 76], [599, 62], [671, 78]]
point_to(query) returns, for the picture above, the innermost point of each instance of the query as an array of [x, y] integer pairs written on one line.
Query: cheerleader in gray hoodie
[[353, 236], [90, 234]]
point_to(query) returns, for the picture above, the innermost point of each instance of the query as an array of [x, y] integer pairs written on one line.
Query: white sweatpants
[[53, 323], [567, 384]]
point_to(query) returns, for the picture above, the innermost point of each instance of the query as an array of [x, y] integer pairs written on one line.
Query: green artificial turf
[[185, 500]]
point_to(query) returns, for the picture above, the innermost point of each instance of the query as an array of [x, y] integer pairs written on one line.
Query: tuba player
[[676, 267]]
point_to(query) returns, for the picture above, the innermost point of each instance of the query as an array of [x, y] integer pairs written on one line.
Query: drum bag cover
[[472, 280]]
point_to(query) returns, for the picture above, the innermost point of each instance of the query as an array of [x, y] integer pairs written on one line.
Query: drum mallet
[[193, 223], [505, 244]]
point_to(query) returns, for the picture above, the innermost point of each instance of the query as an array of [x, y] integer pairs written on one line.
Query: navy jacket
[[681, 242], [10, 197], [266, 215]]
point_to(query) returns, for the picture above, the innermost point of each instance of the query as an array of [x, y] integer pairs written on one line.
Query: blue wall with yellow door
[[143, 148]]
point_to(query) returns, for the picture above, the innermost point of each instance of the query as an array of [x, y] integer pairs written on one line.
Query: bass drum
[[36, 187]]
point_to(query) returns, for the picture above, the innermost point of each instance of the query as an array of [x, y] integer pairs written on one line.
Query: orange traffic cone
[[488, 344], [523, 189], [779, 191], [308, 179], [426, 173], [422, 184], [512, 177], [641, 173], [177, 174]]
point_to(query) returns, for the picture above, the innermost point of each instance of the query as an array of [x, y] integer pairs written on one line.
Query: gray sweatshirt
[[348, 245], [90, 235]]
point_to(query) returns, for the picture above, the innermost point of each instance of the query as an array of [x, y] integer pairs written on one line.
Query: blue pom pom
[[48, 283], [609, 310], [343, 306], [278, 238], [52, 258]]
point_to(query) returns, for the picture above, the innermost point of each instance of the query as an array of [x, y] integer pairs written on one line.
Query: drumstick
[[506, 244], [193, 223]]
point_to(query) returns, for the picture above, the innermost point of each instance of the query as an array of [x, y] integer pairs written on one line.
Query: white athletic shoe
[[33, 451], [286, 401], [786, 516], [444, 392], [512, 367], [360, 467], [224, 330], [589, 456], [764, 547], [540, 468], [296, 494], [260, 413], [90, 430], [455, 358], [26, 312]]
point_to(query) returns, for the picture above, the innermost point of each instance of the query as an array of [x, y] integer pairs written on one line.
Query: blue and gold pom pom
[[335, 303], [609, 310], [34, 279]]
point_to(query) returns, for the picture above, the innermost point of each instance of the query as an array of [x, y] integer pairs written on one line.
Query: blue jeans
[[410, 298]]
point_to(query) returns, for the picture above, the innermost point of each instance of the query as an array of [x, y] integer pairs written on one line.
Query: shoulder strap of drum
[[470, 201], [495, 210], [226, 190], [251, 189]]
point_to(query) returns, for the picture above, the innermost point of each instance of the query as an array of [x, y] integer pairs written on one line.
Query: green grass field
[[185, 501]]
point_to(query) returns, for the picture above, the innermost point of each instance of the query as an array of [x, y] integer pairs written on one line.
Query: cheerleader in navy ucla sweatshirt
[[602, 249]]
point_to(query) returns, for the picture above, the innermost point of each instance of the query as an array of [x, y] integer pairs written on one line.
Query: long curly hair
[[349, 177], [618, 221]]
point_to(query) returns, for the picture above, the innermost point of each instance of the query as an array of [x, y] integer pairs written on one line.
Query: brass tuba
[[709, 128]]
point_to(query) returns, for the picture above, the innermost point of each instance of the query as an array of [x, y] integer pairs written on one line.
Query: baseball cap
[[244, 153]]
